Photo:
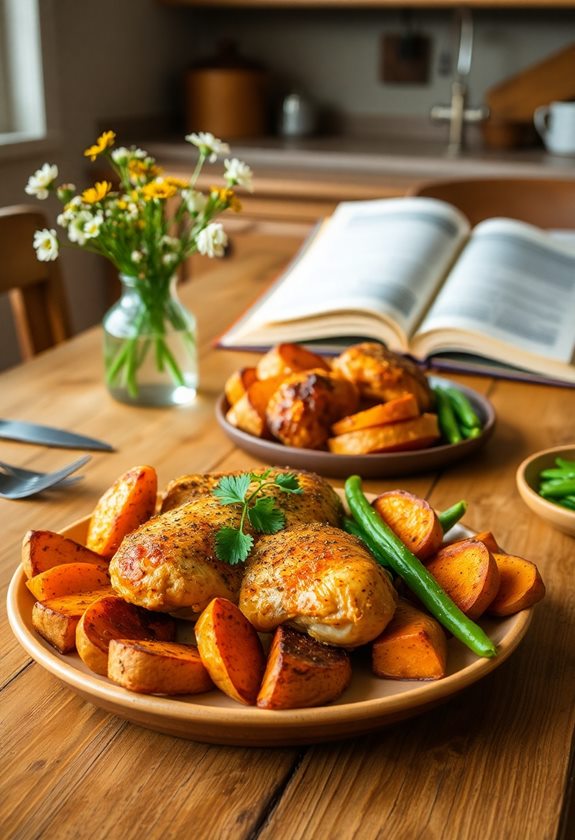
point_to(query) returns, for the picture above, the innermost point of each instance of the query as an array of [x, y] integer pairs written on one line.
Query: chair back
[[546, 202], [35, 289]]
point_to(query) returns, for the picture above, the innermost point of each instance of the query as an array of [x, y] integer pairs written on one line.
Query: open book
[[409, 272]]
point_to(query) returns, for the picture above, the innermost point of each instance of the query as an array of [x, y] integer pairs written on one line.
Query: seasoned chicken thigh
[[170, 562], [319, 579]]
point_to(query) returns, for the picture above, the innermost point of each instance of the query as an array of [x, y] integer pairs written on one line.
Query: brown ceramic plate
[[378, 465], [368, 704]]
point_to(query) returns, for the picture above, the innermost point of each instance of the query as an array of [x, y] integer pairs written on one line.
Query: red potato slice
[[413, 520], [56, 620], [302, 672], [231, 650], [413, 646], [520, 585], [153, 667], [112, 618], [68, 579], [126, 505], [468, 572], [42, 550]]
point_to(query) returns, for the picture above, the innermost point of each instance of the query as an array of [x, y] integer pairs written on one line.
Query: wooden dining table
[[493, 761]]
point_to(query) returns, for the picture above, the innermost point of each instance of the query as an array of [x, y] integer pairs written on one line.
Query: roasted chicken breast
[[320, 579], [170, 562]]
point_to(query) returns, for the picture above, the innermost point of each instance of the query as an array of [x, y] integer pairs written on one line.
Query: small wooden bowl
[[527, 481]]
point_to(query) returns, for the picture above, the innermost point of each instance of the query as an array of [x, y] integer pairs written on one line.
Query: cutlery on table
[[14, 487], [21, 472], [49, 436]]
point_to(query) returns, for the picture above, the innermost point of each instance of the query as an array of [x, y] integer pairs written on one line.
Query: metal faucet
[[457, 113]]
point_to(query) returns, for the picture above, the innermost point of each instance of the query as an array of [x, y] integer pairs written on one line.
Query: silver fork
[[15, 487], [20, 472]]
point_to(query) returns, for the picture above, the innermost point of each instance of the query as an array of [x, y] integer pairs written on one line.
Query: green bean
[[467, 432], [557, 472], [451, 515], [414, 573], [446, 417], [557, 489], [567, 465], [567, 502], [463, 409]]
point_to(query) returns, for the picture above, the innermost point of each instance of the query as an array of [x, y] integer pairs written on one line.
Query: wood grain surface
[[491, 763]]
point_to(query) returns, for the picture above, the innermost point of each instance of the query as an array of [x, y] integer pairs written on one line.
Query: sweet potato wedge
[[56, 619], [153, 667], [468, 572], [301, 672], [129, 502], [112, 618], [487, 538], [238, 383], [520, 585], [401, 408], [418, 433], [286, 358], [249, 412], [68, 579], [42, 550], [413, 646], [412, 519], [231, 650]]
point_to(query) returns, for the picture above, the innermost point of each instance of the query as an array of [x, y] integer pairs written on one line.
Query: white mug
[[556, 125]]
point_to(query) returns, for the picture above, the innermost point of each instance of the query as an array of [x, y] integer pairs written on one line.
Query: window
[[22, 107]]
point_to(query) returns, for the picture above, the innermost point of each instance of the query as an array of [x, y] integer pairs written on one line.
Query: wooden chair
[[547, 203], [35, 289]]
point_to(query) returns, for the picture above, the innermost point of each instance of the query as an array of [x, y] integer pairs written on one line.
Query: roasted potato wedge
[[42, 550], [301, 672], [112, 618], [468, 572], [413, 646], [238, 383], [284, 359], [56, 619], [249, 412], [68, 579], [412, 519], [231, 650], [130, 501], [154, 667], [520, 585], [394, 411], [395, 437]]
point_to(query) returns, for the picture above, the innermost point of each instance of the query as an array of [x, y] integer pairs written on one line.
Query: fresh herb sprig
[[232, 544]]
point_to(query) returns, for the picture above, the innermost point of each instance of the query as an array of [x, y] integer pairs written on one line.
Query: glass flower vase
[[150, 345]]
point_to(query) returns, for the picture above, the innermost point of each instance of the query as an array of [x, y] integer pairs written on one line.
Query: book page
[[384, 256], [514, 285]]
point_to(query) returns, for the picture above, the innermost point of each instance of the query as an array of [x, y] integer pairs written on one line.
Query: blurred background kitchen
[[328, 100]]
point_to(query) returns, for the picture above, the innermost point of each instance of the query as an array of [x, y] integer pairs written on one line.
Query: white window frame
[[27, 112]]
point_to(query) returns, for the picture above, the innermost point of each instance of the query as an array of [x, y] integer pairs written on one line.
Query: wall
[[110, 61]]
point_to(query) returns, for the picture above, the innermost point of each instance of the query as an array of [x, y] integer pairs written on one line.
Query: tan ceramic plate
[[368, 704], [377, 465]]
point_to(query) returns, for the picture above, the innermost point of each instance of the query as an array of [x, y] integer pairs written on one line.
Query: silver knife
[[49, 436]]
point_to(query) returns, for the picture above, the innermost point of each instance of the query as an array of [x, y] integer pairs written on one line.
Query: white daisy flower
[[212, 240], [80, 227], [121, 155], [92, 226], [194, 200], [40, 182], [238, 173], [208, 145], [136, 256], [46, 245]]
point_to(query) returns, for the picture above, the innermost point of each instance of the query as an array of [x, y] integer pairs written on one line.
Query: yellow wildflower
[[96, 193], [103, 142], [226, 196], [179, 183], [143, 169], [158, 189]]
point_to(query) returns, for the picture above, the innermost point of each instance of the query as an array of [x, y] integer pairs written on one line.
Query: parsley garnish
[[232, 544]]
